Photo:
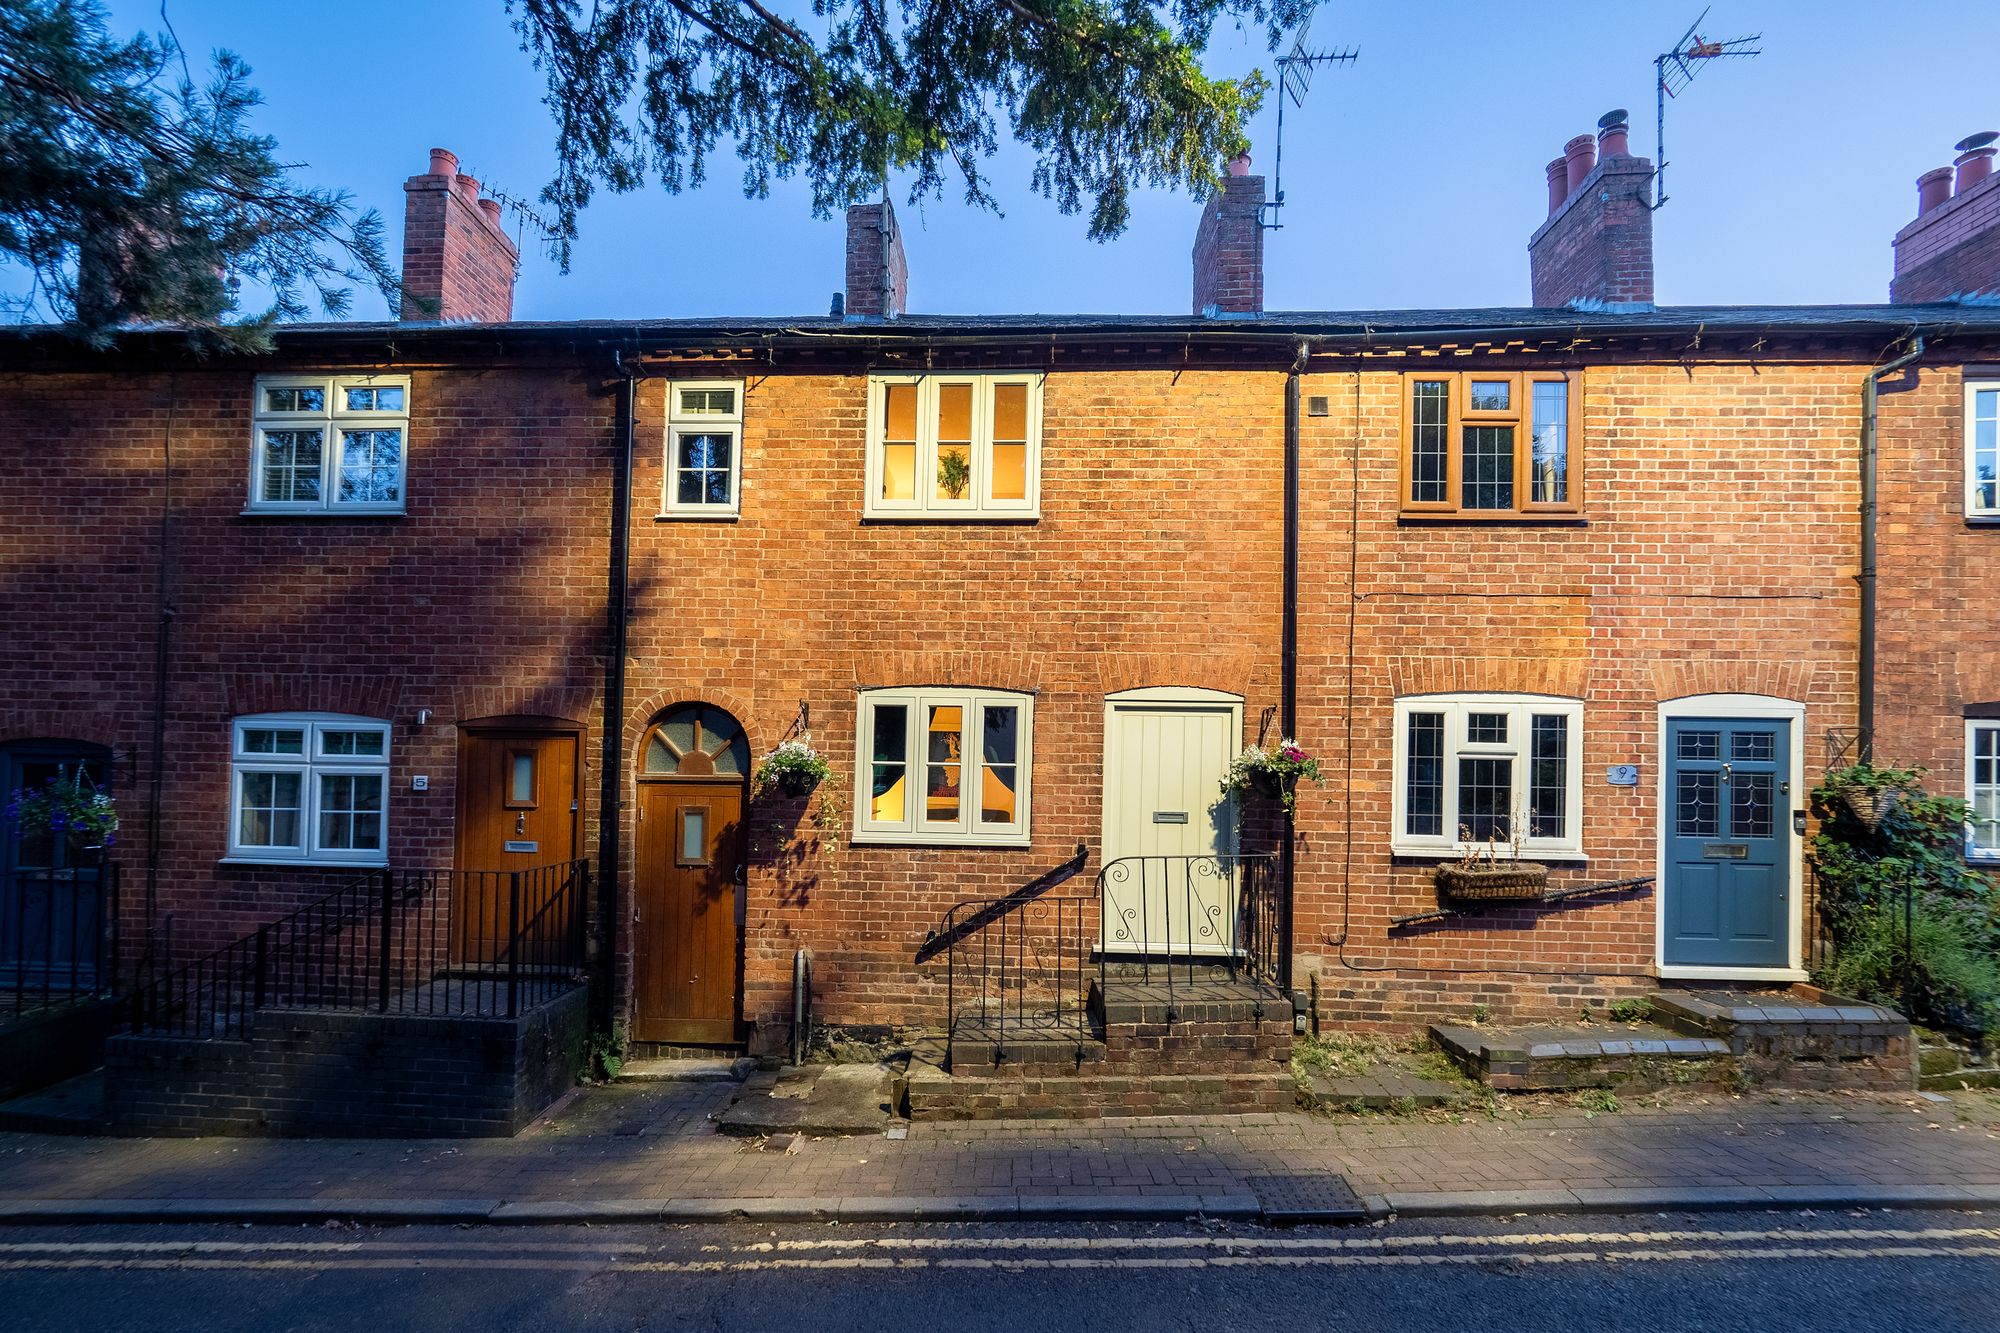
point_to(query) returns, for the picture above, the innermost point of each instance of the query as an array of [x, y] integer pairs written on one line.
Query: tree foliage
[[1109, 94], [130, 193]]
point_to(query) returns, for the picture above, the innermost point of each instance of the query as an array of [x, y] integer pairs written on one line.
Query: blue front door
[[1728, 863]]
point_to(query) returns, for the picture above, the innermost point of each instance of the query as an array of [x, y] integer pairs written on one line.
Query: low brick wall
[[935, 1095], [341, 1074]]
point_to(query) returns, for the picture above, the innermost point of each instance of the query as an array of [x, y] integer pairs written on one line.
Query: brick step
[[933, 1094], [1798, 1036], [74, 1106], [1126, 1002], [1561, 1058]]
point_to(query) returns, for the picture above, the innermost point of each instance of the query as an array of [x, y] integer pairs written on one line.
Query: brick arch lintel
[[1777, 680], [1565, 677]]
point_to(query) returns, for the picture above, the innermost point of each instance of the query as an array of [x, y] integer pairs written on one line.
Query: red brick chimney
[[1953, 248], [457, 261], [1229, 245], [1597, 246], [878, 276]]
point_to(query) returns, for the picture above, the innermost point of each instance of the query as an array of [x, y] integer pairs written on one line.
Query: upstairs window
[[1982, 449], [309, 787], [944, 766], [1492, 444], [329, 444], [1477, 768], [945, 447], [1982, 789], [704, 448]]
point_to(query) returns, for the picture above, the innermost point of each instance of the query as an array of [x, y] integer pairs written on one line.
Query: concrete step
[[821, 1100], [1563, 1057], [74, 1106], [1087, 1094], [1124, 1001], [1383, 1088], [682, 1070], [1799, 1035]]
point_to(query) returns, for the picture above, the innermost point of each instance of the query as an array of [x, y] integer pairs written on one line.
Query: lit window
[[1473, 769], [704, 449], [949, 446], [943, 766], [1491, 445], [329, 444], [309, 787], [1982, 789], [1982, 449]]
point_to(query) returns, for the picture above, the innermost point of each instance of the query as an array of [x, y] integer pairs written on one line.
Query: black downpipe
[[1288, 656], [164, 610], [1870, 455], [610, 801]]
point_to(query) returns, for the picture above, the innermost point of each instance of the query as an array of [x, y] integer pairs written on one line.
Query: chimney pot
[[467, 187], [1975, 159], [491, 208], [1240, 164], [444, 162], [1613, 135], [1580, 154], [1933, 188], [1558, 184]]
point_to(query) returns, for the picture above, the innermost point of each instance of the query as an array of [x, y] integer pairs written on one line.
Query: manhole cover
[[1324, 1197]]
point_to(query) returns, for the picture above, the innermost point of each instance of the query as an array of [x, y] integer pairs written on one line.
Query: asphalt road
[[1872, 1271]]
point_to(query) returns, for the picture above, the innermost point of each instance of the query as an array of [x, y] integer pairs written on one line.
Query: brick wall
[[878, 274], [352, 1074], [1952, 250], [1229, 249], [1598, 246]]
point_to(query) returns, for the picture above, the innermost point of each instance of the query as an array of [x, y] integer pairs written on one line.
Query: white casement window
[[1982, 448], [704, 448], [330, 444], [944, 766], [948, 447], [1474, 768], [1982, 790], [309, 787]]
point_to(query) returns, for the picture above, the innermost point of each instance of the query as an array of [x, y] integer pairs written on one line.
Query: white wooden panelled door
[[1166, 752]]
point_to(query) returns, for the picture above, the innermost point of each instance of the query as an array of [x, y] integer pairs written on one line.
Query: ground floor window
[[943, 766], [1982, 794], [1478, 768], [309, 787]]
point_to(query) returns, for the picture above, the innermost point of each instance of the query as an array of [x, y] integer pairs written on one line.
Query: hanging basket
[[1521, 881], [794, 783], [1869, 804], [1266, 782]]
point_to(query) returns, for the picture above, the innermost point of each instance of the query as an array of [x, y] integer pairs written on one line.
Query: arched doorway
[[694, 767]]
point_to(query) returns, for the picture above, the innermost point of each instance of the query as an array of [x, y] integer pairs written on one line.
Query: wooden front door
[[684, 913], [518, 804]]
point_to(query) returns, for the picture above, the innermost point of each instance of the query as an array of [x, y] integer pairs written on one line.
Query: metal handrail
[[1244, 936]]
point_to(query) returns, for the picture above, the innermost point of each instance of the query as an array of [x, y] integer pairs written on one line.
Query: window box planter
[[1519, 881]]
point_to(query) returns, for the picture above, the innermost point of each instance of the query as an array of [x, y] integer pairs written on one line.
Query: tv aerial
[[1295, 72], [1675, 70]]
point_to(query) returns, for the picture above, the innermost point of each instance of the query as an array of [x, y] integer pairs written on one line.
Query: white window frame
[[914, 829], [926, 507], [1989, 855], [702, 423], [330, 422], [1520, 709], [312, 763], [1974, 510]]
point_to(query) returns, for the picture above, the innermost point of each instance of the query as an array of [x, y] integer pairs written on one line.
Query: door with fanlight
[[687, 894]]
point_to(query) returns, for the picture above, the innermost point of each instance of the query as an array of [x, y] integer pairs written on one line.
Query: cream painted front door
[[1169, 877]]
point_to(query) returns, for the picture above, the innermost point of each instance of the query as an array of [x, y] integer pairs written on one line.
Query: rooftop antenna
[[1295, 72], [1676, 69]]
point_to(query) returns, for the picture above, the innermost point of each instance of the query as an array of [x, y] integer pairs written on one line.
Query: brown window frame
[[1520, 415], [534, 801]]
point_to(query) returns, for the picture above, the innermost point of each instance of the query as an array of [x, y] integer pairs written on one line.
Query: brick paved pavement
[[654, 1142]]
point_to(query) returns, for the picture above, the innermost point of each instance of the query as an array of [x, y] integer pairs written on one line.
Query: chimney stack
[[1596, 248], [457, 261], [1229, 245], [878, 276], [1952, 249]]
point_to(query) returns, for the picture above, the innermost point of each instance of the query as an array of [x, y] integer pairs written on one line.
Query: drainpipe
[[1869, 455], [1288, 650], [164, 610], [610, 818]]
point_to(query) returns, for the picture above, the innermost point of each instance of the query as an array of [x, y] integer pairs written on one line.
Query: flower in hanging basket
[[67, 804], [794, 768], [1275, 772]]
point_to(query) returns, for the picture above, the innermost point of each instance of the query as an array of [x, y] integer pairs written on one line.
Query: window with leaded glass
[[944, 766], [944, 447], [1478, 769], [329, 444], [309, 787], [1491, 444], [1982, 449], [704, 449]]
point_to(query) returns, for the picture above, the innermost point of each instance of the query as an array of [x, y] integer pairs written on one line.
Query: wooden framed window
[[1492, 444], [329, 444], [704, 449], [951, 447], [944, 767], [1470, 768]]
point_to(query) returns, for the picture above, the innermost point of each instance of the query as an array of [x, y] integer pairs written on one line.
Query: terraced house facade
[[1584, 580]]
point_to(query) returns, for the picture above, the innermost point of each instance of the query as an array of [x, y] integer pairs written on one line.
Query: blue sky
[[1412, 178]]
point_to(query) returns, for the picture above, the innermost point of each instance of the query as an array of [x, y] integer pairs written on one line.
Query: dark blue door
[[1728, 864], [51, 908]]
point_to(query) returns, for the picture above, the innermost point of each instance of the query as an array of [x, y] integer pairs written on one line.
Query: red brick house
[[446, 591]]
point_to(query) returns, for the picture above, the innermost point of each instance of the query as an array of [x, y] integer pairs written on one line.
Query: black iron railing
[[1190, 917], [58, 936], [448, 943], [1022, 964], [1830, 915]]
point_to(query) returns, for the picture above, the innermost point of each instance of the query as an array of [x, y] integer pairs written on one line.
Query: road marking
[[1356, 1243]]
